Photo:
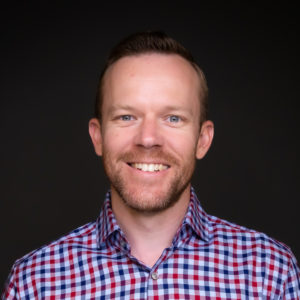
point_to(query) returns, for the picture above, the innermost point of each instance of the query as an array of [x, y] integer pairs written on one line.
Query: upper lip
[[148, 163]]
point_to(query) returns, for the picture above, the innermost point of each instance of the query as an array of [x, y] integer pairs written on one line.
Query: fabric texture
[[209, 259]]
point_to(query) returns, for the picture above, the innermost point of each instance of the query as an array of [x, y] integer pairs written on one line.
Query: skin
[[150, 115]]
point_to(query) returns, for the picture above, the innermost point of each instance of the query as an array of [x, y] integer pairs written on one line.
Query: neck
[[149, 233]]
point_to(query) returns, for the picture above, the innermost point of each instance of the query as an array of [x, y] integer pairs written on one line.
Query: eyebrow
[[121, 107], [175, 108], [126, 107]]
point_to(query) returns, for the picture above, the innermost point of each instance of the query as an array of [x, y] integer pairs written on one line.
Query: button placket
[[123, 244], [154, 276]]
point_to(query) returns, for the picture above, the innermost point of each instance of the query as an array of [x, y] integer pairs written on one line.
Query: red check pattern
[[209, 259]]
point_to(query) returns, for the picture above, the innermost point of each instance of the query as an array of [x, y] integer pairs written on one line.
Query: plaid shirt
[[209, 259]]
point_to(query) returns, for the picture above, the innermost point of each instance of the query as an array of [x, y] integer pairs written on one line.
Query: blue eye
[[126, 118], [174, 119]]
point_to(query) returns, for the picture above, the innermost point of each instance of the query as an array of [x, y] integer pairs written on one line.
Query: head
[[152, 42], [150, 103]]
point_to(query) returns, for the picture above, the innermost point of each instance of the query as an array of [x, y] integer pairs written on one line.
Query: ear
[[205, 139], [95, 134]]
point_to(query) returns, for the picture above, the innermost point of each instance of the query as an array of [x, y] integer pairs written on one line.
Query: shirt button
[[154, 276]]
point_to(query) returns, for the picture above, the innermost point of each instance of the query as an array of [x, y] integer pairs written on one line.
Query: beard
[[143, 196]]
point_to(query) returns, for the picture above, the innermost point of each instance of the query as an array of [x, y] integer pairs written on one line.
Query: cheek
[[115, 141], [184, 144]]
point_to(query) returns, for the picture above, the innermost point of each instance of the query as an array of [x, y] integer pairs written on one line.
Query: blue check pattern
[[209, 259]]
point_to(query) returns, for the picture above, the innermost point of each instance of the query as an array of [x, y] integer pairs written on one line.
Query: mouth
[[149, 167]]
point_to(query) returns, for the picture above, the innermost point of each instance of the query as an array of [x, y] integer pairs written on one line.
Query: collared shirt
[[209, 258]]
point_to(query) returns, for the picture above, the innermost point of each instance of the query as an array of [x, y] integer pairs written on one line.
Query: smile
[[149, 167]]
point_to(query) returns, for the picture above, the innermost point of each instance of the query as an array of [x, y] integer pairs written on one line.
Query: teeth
[[149, 167]]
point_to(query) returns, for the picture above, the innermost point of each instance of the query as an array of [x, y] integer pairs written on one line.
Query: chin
[[146, 201]]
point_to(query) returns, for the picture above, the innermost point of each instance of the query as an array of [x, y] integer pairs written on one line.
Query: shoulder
[[49, 260], [245, 239], [256, 250], [259, 255], [77, 239], [238, 242]]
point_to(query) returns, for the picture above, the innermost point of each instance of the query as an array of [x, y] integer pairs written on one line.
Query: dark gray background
[[51, 56]]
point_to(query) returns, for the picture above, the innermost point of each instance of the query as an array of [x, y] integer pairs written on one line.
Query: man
[[152, 239]]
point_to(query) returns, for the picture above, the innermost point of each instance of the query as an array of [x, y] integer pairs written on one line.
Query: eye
[[126, 118], [174, 119]]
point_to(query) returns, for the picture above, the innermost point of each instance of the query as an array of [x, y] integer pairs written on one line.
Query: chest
[[177, 275]]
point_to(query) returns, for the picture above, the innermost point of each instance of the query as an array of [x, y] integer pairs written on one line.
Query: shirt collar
[[196, 218], [106, 222]]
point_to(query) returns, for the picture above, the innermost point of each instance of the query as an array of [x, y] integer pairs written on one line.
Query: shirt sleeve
[[10, 289], [292, 286]]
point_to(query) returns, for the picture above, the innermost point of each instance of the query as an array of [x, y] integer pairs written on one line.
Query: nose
[[149, 134]]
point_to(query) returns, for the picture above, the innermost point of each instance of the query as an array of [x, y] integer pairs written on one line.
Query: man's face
[[150, 136]]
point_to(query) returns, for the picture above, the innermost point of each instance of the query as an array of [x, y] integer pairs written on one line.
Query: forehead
[[159, 67], [151, 82]]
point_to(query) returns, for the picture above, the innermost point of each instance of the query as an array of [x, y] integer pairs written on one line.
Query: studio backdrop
[[51, 58]]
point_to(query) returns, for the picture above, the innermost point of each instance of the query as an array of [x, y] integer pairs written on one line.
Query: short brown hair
[[152, 42]]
